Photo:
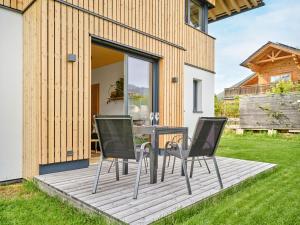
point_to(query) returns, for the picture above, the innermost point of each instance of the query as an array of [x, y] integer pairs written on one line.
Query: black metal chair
[[203, 144], [173, 145], [117, 142]]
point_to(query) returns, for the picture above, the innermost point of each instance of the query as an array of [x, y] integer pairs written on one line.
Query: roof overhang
[[227, 8]]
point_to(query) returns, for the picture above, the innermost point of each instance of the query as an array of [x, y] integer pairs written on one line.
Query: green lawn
[[24, 204], [270, 198]]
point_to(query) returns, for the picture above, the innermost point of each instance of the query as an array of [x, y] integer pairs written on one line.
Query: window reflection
[[139, 90], [195, 14]]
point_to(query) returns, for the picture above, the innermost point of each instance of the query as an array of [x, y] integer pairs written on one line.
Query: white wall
[[11, 46], [106, 76], [208, 86]]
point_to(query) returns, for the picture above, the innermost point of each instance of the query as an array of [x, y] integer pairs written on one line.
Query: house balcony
[[248, 90]]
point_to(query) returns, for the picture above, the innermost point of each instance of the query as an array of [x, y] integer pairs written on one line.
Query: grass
[[269, 198], [25, 204]]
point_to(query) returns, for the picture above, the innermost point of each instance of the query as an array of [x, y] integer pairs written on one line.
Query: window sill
[[197, 111]]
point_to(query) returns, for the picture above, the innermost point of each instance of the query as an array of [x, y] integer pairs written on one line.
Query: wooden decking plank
[[158, 188], [178, 186], [181, 204], [117, 184], [114, 198], [189, 202], [174, 198]]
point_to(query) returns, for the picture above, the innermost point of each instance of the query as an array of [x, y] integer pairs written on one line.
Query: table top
[[148, 129]]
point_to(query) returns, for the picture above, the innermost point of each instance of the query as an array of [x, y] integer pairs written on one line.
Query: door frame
[[155, 81], [139, 54]]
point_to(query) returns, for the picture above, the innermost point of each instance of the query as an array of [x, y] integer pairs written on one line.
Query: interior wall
[[11, 88], [208, 84], [106, 76]]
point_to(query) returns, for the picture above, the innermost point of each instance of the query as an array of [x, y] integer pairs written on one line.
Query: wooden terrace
[[114, 198]]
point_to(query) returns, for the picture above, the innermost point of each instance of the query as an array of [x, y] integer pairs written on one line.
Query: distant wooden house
[[271, 63]]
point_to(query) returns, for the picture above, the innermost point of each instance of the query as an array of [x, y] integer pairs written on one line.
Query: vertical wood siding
[[61, 89], [31, 91], [16, 4]]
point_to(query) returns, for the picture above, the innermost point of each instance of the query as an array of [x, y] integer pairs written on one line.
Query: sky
[[239, 36]]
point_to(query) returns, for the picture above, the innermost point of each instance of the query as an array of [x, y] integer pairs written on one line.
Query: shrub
[[229, 108], [283, 87]]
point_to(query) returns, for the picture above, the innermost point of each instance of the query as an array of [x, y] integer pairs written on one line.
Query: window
[[197, 96], [281, 77], [196, 14]]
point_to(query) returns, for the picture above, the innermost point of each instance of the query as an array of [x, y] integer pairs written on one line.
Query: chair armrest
[[178, 148], [144, 145], [180, 139]]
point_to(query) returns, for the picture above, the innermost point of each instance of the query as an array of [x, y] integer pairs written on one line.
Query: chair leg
[[206, 164], [173, 164], [163, 168], [145, 162], [138, 175], [199, 162], [97, 176], [169, 161], [112, 163], [186, 176], [117, 169], [192, 167], [218, 172]]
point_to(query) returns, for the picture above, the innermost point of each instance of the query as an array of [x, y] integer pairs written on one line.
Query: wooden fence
[[280, 112]]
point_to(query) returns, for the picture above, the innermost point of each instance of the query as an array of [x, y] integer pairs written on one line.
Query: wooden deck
[[114, 198]]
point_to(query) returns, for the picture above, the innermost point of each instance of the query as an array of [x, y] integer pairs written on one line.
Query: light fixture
[[72, 58], [174, 79]]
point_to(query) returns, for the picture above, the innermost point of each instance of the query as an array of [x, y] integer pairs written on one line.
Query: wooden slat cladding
[[200, 49], [31, 91], [63, 106], [14, 4], [161, 19]]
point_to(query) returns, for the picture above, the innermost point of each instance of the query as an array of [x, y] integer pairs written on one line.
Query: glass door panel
[[139, 90]]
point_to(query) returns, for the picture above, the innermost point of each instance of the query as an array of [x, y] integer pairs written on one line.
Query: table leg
[[125, 167], [154, 158], [185, 140]]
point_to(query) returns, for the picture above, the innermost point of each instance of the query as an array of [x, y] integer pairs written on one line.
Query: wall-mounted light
[[174, 80], [71, 58]]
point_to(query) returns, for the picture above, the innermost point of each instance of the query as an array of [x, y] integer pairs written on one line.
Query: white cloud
[[239, 36]]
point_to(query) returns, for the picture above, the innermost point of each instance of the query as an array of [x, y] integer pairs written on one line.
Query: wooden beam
[[254, 2], [274, 59], [225, 7], [253, 67], [277, 54], [212, 14], [296, 60], [249, 6], [274, 56], [235, 5]]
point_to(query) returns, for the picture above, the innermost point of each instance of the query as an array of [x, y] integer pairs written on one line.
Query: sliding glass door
[[139, 89]]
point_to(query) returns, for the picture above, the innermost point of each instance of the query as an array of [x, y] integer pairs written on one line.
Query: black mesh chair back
[[207, 135], [116, 136]]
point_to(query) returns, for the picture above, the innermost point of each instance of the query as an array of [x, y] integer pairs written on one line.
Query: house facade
[[270, 64], [64, 60]]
